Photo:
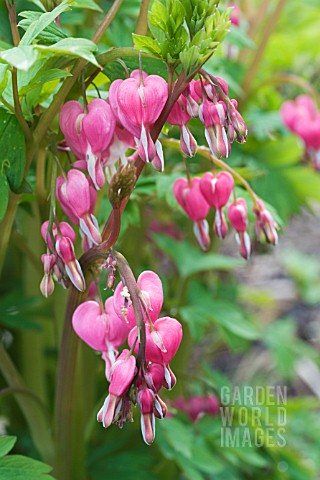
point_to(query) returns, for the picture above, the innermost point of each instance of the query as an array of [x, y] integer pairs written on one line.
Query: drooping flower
[[47, 284], [235, 14], [180, 116], [77, 199], [90, 324], [302, 118], [238, 216], [63, 248], [146, 400], [265, 223], [190, 198], [151, 294], [213, 116], [137, 103], [122, 375], [217, 189], [89, 134], [163, 339]]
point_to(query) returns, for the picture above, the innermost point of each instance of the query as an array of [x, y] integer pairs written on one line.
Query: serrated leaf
[[12, 148], [23, 468], [45, 19], [6, 444], [44, 77], [4, 195], [21, 57], [78, 47]]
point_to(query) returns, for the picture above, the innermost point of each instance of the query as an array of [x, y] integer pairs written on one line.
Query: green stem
[[7, 104], [254, 66], [68, 463], [142, 24], [35, 417], [205, 152], [17, 107]]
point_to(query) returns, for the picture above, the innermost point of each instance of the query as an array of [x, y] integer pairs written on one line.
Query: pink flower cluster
[[60, 258], [302, 117], [198, 195], [222, 122], [100, 134], [106, 327]]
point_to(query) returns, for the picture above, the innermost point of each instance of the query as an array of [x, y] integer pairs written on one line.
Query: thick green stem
[[69, 462], [35, 417]]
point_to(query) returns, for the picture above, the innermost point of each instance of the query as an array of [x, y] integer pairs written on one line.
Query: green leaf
[[20, 312], [44, 21], [189, 260], [12, 148], [197, 319], [6, 444], [51, 34], [19, 467], [77, 47], [232, 318], [285, 347], [190, 59], [21, 57], [44, 77], [115, 70], [178, 435], [39, 4], [89, 4], [146, 44], [4, 195], [3, 77]]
